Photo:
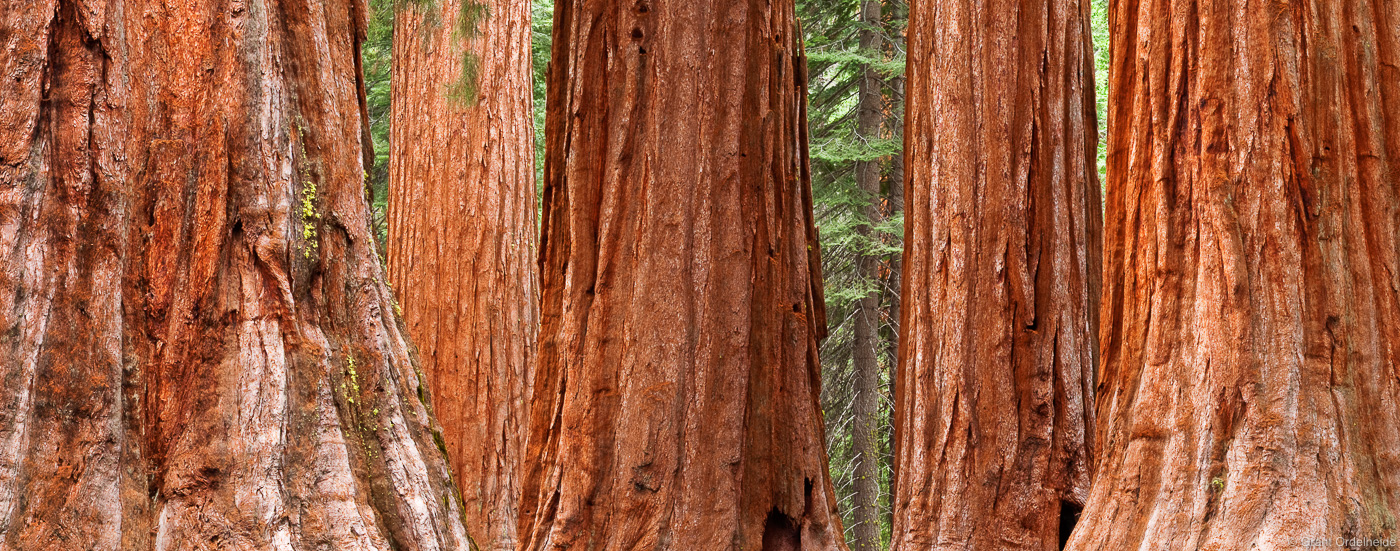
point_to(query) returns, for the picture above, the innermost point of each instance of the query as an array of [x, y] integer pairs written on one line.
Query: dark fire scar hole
[[636, 33], [1069, 516], [780, 534]]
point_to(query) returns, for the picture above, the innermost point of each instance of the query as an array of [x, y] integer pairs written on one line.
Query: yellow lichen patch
[[351, 385], [309, 215]]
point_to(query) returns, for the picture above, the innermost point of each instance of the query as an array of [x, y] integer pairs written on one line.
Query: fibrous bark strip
[[462, 253], [676, 401], [994, 402], [196, 344], [1250, 390]]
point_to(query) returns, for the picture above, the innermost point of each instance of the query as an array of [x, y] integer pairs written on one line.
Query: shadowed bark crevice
[[1069, 517], [780, 533]]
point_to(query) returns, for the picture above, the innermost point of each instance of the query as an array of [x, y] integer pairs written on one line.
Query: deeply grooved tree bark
[[676, 402], [1251, 366], [993, 398], [196, 346], [462, 237]]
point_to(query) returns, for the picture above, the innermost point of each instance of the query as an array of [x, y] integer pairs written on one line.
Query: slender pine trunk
[[866, 342]]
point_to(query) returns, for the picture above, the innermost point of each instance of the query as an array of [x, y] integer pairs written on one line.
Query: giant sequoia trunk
[[676, 401], [994, 391], [1251, 367], [462, 236], [198, 347]]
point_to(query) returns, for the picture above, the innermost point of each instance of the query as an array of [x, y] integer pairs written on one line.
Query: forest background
[[856, 62]]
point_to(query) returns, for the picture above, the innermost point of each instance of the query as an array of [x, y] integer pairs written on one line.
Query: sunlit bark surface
[[462, 253], [994, 402], [1250, 389], [197, 349], [676, 402]]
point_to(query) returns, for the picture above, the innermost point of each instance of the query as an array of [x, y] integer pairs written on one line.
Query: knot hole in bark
[[780, 533], [637, 36]]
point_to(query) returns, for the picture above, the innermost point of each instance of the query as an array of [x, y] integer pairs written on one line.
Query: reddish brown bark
[[993, 397], [1250, 390], [198, 349], [462, 239], [676, 402]]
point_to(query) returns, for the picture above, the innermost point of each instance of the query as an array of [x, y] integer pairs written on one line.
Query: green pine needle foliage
[[468, 86], [541, 40], [377, 56], [836, 63], [1099, 24]]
